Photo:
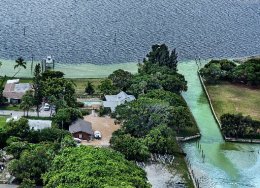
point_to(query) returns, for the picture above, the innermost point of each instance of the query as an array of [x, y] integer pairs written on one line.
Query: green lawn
[[230, 98], [10, 107], [81, 84], [2, 121]]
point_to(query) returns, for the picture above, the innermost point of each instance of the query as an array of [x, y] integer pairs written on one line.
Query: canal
[[225, 164]]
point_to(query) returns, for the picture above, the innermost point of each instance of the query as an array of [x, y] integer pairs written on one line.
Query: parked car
[[97, 134], [77, 140], [46, 107]]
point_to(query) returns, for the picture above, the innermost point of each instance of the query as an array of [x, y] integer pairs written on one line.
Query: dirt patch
[[105, 125]]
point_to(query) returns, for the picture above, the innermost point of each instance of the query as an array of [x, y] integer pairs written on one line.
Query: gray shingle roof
[[81, 126]]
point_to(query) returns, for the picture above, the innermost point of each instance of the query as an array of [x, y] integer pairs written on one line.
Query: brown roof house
[[81, 129], [14, 90]]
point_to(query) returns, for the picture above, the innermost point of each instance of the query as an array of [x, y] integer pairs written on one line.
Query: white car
[[97, 134], [77, 140], [46, 107]]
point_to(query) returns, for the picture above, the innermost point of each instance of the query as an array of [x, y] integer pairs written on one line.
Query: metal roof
[[81, 126]]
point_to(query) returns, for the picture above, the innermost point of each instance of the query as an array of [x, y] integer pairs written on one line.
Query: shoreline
[[89, 70]]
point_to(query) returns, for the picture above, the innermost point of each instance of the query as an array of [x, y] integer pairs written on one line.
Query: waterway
[[226, 164]]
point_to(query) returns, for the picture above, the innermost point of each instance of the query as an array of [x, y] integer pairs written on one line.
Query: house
[[112, 101], [81, 129], [14, 91]]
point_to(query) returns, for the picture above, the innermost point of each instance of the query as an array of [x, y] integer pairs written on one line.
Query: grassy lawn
[[230, 98], [2, 121], [81, 83], [10, 107]]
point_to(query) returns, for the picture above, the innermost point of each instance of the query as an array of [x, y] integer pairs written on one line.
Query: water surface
[[226, 164], [119, 31]]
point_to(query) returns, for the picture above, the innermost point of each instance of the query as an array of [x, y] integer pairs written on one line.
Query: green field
[[85, 70], [81, 84], [2, 121], [230, 98]]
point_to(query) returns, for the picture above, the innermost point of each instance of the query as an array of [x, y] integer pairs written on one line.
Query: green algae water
[[225, 164], [83, 70]]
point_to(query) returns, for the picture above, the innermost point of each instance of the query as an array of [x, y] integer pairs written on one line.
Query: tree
[[141, 115], [89, 88], [91, 167], [173, 98], [27, 101], [64, 117], [161, 55], [16, 148], [33, 163], [133, 148], [161, 139], [37, 86], [18, 128], [60, 88], [50, 74], [20, 63], [174, 83], [106, 87], [121, 79], [52, 101], [181, 118]]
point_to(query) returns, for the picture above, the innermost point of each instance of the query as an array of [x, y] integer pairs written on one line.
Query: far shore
[[88, 70]]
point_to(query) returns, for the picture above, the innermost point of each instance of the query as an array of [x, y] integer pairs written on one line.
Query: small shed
[[81, 129]]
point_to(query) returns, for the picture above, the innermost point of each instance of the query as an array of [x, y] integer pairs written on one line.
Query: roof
[[120, 97], [15, 90], [15, 81], [39, 124], [81, 126]]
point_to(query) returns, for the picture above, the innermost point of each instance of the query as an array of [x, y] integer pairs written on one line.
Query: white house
[[112, 101]]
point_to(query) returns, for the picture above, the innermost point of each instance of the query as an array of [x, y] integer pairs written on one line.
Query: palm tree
[[20, 63]]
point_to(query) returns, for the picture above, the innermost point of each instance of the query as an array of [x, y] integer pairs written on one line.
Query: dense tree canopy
[[60, 88], [65, 116], [89, 88], [106, 87], [33, 162], [90, 167], [245, 73], [172, 98], [141, 115], [238, 126], [133, 148], [121, 79], [161, 55]]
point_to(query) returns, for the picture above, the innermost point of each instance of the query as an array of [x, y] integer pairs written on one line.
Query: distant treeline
[[247, 73]]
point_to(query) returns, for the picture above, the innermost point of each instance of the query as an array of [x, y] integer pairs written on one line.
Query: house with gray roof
[[81, 129], [14, 91], [112, 101]]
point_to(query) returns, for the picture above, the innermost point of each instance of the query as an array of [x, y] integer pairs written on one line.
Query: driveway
[[105, 125]]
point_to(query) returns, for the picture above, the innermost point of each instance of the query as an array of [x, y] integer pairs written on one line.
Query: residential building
[[112, 101], [81, 129], [14, 90]]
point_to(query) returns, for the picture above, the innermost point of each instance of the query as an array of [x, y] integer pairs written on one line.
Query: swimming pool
[[90, 103]]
